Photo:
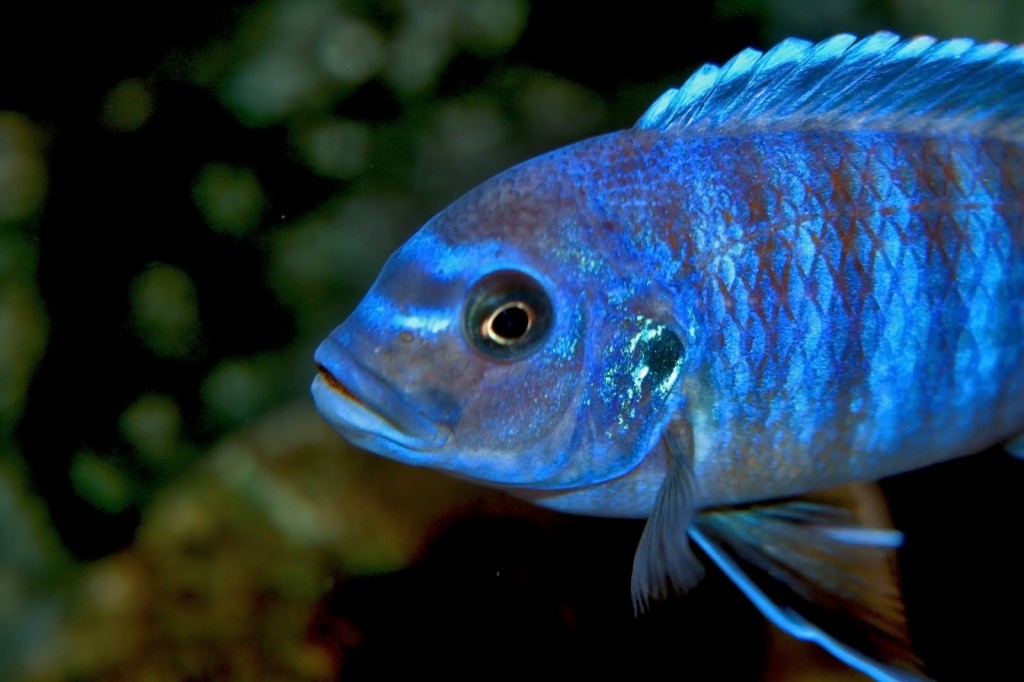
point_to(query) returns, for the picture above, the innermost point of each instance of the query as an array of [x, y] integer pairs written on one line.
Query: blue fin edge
[[792, 622], [879, 83]]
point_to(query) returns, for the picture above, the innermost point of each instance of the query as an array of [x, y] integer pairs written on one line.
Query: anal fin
[[821, 569]]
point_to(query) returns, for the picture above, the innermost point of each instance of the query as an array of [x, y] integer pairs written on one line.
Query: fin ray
[[920, 85], [792, 622], [664, 561], [821, 569]]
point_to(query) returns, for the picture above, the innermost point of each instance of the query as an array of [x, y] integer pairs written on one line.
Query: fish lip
[[360, 403]]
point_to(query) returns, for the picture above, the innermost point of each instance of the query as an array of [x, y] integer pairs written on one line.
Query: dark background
[[193, 194]]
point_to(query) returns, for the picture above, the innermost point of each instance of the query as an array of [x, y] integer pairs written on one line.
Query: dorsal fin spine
[[920, 85]]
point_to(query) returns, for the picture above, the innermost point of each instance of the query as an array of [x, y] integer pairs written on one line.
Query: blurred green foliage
[[211, 199], [22, 319], [165, 311], [230, 198]]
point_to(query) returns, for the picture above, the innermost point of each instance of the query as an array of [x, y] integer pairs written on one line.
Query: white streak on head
[[429, 321]]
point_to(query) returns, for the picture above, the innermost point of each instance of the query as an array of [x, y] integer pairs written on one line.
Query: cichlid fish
[[798, 271]]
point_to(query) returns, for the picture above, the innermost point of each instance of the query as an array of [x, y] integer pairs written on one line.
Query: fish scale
[[919, 238], [799, 272]]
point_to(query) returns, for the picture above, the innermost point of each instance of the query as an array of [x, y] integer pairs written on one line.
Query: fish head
[[486, 348]]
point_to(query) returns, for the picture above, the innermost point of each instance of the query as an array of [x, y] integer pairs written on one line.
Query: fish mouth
[[364, 407]]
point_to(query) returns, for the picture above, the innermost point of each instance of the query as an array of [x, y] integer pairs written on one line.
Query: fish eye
[[507, 315]]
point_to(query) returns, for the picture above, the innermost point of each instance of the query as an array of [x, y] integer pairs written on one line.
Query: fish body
[[858, 297], [799, 270]]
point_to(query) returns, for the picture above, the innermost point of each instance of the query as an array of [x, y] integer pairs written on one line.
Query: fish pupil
[[509, 323]]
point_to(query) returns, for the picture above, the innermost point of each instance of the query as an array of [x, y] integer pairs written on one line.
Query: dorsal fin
[[956, 87]]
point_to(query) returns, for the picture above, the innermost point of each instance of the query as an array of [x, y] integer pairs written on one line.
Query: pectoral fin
[[822, 570], [664, 562]]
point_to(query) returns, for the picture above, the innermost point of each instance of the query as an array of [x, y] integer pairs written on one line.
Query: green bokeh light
[[100, 482], [229, 197], [22, 168], [165, 312], [128, 106]]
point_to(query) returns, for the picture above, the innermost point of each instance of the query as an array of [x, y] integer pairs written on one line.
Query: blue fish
[[798, 272]]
